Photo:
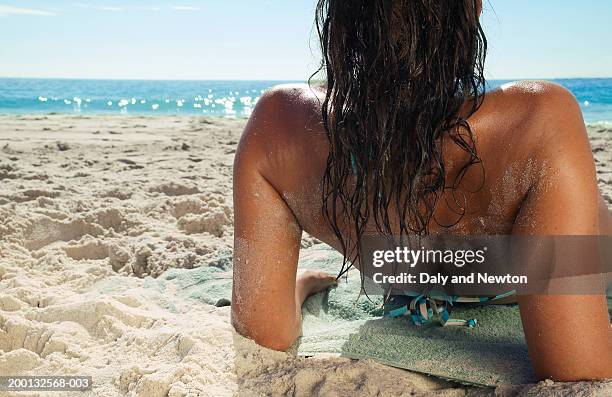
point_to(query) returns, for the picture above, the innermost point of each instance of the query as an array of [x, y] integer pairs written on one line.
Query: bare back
[[539, 179], [489, 197]]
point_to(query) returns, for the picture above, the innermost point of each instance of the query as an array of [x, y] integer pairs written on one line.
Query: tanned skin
[[532, 140]]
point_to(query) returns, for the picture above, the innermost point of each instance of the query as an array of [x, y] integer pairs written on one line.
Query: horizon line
[[275, 80]]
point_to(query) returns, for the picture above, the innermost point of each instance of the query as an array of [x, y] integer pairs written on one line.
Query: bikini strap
[[424, 307]]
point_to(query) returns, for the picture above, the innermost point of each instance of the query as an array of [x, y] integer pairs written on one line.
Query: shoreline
[[185, 115]]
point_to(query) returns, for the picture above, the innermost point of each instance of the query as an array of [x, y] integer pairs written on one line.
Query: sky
[[268, 39]]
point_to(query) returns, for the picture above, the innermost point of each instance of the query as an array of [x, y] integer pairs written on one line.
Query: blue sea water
[[215, 98]]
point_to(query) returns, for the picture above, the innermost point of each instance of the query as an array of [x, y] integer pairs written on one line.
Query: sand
[[94, 208]]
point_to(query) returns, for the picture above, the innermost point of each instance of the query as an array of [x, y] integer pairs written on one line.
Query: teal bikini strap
[[424, 307]]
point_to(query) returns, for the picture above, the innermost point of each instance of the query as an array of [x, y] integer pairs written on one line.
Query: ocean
[[214, 98]]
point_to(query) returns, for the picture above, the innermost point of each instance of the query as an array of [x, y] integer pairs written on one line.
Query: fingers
[[332, 281], [316, 281], [314, 274], [326, 282]]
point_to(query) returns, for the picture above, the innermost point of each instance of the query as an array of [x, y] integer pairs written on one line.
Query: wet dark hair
[[398, 72]]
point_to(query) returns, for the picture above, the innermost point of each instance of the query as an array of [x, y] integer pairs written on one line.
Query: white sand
[[91, 206]]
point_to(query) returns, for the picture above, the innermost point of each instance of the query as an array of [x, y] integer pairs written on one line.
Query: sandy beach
[[94, 208]]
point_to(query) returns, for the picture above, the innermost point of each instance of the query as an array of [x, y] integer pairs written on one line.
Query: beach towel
[[340, 321]]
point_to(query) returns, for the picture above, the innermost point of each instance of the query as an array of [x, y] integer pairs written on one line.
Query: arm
[[568, 336], [267, 296]]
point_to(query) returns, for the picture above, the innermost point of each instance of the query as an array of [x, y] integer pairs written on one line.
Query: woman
[[402, 140]]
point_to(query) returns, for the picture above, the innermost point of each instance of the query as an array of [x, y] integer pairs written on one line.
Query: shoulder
[[551, 130], [532, 127], [535, 111], [290, 94], [536, 90], [540, 102], [284, 104], [281, 118]]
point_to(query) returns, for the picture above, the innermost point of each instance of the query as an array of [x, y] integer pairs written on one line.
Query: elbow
[[597, 368], [575, 374], [280, 343], [279, 339]]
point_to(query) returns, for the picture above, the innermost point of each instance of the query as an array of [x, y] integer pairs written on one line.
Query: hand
[[310, 282]]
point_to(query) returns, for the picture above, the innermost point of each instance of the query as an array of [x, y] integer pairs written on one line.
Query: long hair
[[399, 73]]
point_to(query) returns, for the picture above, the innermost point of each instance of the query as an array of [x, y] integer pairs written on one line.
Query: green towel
[[340, 321], [491, 354]]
